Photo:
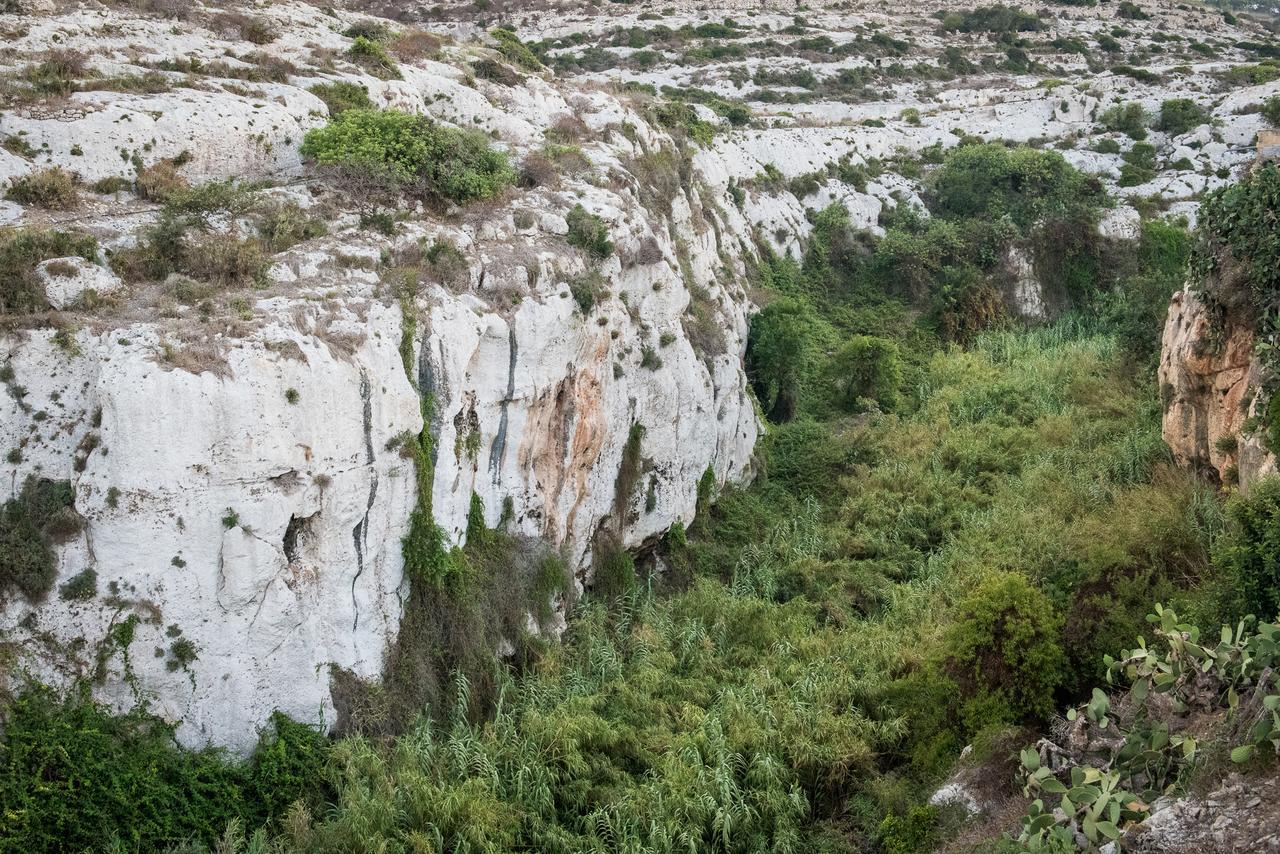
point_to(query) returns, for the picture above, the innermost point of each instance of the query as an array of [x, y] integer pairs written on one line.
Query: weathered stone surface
[[1209, 385], [67, 280], [1231, 818], [240, 477]]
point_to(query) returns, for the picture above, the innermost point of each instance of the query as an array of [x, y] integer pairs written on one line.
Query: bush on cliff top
[[1025, 184], [1237, 251], [410, 152]]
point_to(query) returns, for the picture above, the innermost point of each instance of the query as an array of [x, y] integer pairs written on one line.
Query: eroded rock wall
[[241, 478], [1210, 385], [253, 500]]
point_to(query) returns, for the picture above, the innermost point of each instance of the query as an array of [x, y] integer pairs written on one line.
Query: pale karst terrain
[[323, 324]]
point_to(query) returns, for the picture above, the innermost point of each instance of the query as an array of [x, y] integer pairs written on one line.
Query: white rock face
[[239, 477], [65, 280], [1026, 299], [1122, 223], [256, 507], [190, 492]]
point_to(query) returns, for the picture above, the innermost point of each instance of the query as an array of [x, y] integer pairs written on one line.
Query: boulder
[[66, 280], [1121, 223]]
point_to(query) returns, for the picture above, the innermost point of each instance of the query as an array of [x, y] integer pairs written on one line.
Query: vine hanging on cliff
[[426, 557]]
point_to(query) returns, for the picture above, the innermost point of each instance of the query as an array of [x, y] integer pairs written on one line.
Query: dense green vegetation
[[342, 95], [1236, 260], [955, 522], [75, 778], [394, 150]]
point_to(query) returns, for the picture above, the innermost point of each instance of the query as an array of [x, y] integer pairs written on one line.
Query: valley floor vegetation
[[956, 520]]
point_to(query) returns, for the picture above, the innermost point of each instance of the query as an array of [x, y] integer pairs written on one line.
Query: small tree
[[866, 369], [1004, 652], [781, 353]]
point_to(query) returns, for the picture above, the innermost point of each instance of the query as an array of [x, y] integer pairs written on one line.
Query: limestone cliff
[[239, 474], [1210, 385]]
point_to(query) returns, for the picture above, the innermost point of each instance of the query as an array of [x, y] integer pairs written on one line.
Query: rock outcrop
[[1238, 815], [1210, 386]]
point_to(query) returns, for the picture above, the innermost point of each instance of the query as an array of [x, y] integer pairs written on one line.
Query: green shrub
[[1179, 115], [285, 224], [410, 152], [992, 19], [54, 189], [58, 73], [866, 369], [736, 112], [250, 28], [587, 289], [804, 457], [1250, 552], [1236, 255], [225, 260], [488, 69], [805, 185], [1004, 653], [615, 575], [514, 50], [368, 29], [21, 250], [1251, 75], [447, 264], [83, 585], [1139, 165], [1138, 305], [289, 765], [74, 777], [649, 358], [42, 515], [1142, 75], [1131, 11], [589, 232], [682, 120], [911, 833], [373, 57], [1023, 183], [781, 355], [342, 95], [1271, 110], [1128, 119], [184, 241]]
